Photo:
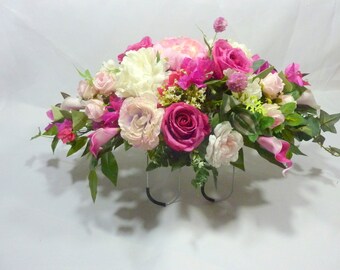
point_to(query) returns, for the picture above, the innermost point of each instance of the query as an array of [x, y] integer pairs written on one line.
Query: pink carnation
[[65, 133], [146, 42]]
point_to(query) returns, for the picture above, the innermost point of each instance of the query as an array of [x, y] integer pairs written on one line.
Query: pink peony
[[294, 74], [146, 42], [278, 147], [225, 56], [184, 127], [220, 24], [104, 83], [100, 137], [176, 49], [237, 82]]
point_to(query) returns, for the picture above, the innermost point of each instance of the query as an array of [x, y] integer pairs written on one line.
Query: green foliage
[[54, 143], [93, 183], [109, 167], [51, 132], [239, 163], [328, 121], [86, 75], [294, 119], [266, 122], [257, 64], [288, 86], [57, 115], [36, 136], [264, 73], [77, 145], [288, 108], [243, 121], [79, 120]]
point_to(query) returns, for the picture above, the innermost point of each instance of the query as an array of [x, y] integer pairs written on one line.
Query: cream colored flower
[[224, 146], [140, 121], [272, 85], [140, 72]]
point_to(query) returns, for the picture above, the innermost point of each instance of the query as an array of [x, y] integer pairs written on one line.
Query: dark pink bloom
[[146, 42], [264, 66], [65, 133], [278, 147], [111, 114], [294, 74], [100, 137], [220, 24], [225, 56], [184, 127], [197, 71], [237, 82]]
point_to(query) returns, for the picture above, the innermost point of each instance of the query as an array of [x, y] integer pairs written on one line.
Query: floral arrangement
[[188, 103]]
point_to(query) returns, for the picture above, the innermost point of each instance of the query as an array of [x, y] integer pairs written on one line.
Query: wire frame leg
[[225, 197], [161, 203]]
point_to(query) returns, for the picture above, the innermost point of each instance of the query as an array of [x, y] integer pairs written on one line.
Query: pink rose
[[225, 56], [176, 49], [272, 85], [86, 91], [94, 109], [220, 24], [184, 127], [104, 83], [294, 74], [100, 137], [277, 147], [146, 42], [273, 110]]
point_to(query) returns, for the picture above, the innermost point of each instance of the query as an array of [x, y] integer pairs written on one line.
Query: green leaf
[[79, 120], [296, 150], [110, 167], [288, 86], [86, 75], [305, 110], [312, 127], [253, 137], [319, 139], [288, 108], [54, 143], [77, 145], [201, 177], [57, 115], [264, 73], [328, 121], [239, 163], [151, 166], [65, 95], [334, 151], [243, 121], [66, 114], [87, 149], [294, 119], [158, 56], [51, 132], [36, 136], [127, 146], [257, 64], [266, 122], [93, 183]]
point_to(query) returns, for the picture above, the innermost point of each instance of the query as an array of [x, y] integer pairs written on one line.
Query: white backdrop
[[47, 219]]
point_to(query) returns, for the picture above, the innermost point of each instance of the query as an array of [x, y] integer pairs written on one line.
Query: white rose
[[72, 103], [140, 73], [272, 85], [140, 121], [224, 146], [273, 110], [94, 109], [104, 83], [86, 91], [241, 46]]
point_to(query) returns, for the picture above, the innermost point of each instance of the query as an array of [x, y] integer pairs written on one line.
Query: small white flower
[[140, 73], [224, 146]]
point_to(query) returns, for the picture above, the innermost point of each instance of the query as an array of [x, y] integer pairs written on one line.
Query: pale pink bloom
[[104, 83], [140, 121], [176, 49], [307, 98], [224, 145], [284, 99], [86, 91], [94, 109], [272, 85], [100, 137], [72, 103], [277, 147], [273, 110], [220, 24]]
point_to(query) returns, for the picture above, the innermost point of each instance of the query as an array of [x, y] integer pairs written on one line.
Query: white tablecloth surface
[[47, 218]]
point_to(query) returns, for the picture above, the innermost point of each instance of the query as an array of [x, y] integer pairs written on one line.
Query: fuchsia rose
[[176, 49], [220, 24], [65, 133], [277, 147], [100, 137], [184, 127], [294, 74], [104, 83], [146, 42], [225, 56]]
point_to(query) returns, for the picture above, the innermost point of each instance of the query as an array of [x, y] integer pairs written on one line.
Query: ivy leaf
[[93, 183], [305, 110], [334, 151], [110, 167], [77, 145], [328, 121], [288, 108], [319, 139], [312, 127], [79, 120], [239, 163], [54, 143]]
